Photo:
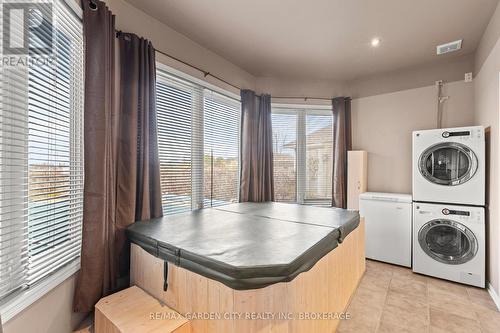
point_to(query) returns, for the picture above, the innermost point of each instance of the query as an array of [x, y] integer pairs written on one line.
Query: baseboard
[[494, 296]]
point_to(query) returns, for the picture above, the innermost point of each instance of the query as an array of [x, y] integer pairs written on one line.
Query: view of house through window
[[319, 158], [303, 155], [198, 139]]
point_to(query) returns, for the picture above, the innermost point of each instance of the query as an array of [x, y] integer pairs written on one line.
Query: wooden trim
[[325, 288]]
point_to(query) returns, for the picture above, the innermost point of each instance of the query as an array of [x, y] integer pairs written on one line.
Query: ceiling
[[325, 39]]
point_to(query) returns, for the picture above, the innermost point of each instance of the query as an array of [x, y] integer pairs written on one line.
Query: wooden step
[[133, 310]]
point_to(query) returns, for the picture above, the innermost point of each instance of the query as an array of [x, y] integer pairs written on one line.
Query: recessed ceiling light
[[375, 42]]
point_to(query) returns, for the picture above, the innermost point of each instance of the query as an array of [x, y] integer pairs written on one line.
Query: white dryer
[[449, 242], [449, 165]]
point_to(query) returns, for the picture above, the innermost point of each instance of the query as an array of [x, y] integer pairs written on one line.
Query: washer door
[[448, 163], [447, 241]]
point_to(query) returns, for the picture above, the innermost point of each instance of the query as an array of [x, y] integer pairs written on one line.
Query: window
[[303, 155], [285, 155], [41, 160], [198, 138], [176, 103], [319, 157], [221, 149]]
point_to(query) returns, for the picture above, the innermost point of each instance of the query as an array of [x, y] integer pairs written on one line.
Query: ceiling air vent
[[449, 47]]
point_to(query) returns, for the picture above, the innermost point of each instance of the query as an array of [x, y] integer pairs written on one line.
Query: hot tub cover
[[246, 245]]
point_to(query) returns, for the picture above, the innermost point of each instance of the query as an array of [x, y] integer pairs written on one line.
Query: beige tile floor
[[394, 299]]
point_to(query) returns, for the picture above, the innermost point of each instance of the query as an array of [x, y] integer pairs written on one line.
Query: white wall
[[382, 125], [487, 113], [280, 87], [422, 75], [52, 313]]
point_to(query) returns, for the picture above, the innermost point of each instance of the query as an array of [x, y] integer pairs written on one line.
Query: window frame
[[197, 201], [302, 111], [15, 303]]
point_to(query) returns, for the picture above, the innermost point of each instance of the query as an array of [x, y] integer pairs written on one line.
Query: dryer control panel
[[453, 134]]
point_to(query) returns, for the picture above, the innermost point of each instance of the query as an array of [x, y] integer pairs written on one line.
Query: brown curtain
[[256, 176], [94, 278], [138, 190], [121, 160], [138, 129], [342, 142]]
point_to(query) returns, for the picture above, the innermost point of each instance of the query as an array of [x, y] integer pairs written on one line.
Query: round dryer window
[[448, 163], [447, 241]]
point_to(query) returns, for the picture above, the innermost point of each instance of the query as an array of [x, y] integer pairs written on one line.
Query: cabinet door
[[357, 169]]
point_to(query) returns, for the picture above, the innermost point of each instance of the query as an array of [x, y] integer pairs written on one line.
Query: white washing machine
[[449, 165], [449, 242]]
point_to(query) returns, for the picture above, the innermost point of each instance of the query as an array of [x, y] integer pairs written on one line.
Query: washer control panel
[[459, 214]]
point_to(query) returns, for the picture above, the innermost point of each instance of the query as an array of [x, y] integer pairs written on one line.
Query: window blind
[[198, 137], [177, 103], [55, 150], [221, 153], [13, 179], [41, 159], [284, 155], [303, 155]]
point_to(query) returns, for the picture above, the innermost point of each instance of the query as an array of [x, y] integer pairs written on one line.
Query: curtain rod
[[305, 98], [207, 73]]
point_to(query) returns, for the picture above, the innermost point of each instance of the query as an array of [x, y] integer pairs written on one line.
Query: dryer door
[[448, 164], [447, 241]]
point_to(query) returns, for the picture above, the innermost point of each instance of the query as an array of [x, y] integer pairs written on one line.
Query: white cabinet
[[357, 169], [388, 226]]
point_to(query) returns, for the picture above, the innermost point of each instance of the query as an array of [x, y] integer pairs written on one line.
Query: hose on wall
[[440, 101]]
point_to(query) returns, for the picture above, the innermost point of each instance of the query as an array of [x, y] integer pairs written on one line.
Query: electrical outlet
[[468, 77]]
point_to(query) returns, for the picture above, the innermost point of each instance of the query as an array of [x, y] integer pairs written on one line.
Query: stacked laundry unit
[[449, 204]]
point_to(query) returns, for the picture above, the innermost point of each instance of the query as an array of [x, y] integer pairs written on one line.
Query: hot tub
[[250, 250]]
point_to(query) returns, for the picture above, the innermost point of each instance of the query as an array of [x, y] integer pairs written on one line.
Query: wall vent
[[449, 47]]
